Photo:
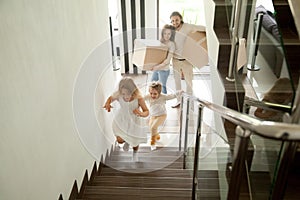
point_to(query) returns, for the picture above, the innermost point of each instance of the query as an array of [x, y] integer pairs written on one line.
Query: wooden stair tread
[[145, 157], [132, 191], [154, 182], [147, 153], [107, 171], [147, 193], [131, 165]]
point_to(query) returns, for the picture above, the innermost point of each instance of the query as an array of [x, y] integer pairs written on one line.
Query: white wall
[[213, 43], [43, 45]]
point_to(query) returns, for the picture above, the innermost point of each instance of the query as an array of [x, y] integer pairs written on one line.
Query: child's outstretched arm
[[145, 110], [107, 105]]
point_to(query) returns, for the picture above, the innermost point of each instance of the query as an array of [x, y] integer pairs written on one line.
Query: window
[[192, 11]]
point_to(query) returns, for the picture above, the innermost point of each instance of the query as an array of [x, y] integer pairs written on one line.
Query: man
[[180, 63]]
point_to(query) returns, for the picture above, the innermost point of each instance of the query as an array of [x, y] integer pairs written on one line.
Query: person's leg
[[156, 122], [176, 71], [154, 76], [153, 127], [135, 148], [177, 78], [163, 77], [120, 140], [188, 76], [151, 121]]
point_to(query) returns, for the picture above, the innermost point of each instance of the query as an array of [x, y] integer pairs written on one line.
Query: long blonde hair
[[128, 83]]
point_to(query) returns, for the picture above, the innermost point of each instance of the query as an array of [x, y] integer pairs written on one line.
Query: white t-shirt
[[165, 65], [158, 106]]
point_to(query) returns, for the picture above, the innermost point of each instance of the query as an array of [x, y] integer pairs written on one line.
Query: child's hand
[[137, 112], [107, 107]]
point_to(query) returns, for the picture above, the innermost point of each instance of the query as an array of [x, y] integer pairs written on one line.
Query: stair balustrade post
[[281, 175], [239, 162], [196, 157], [255, 45], [180, 121], [234, 41], [186, 132]]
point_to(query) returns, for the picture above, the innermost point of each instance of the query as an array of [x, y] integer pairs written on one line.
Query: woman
[[161, 71]]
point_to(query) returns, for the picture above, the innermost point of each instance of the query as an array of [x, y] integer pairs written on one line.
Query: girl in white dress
[[128, 120]]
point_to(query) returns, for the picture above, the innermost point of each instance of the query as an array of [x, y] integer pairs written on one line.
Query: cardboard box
[[195, 49], [148, 53]]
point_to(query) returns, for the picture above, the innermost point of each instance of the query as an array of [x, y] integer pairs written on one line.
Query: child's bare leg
[[154, 123], [135, 148], [121, 141], [153, 140]]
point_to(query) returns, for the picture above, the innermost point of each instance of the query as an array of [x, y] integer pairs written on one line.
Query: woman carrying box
[[161, 71]]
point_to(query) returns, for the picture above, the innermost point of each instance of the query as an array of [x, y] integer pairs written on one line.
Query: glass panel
[[214, 155], [266, 159], [268, 69], [192, 11]]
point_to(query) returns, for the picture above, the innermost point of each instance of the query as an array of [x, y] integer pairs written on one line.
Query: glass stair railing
[[256, 171], [271, 69], [214, 156]]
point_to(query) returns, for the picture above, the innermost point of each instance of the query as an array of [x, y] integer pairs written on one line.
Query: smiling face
[[167, 34], [153, 93], [176, 21], [127, 96]]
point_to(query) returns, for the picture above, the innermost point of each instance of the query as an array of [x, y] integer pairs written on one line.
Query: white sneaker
[[153, 147], [117, 145], [126, 146]]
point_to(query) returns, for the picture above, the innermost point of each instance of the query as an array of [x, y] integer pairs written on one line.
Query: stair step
[[148, 153], [112, 193], [154, 182], [147, 148], [143, 182], [144, 157], [107, 171], [98, 192], [144, 166]]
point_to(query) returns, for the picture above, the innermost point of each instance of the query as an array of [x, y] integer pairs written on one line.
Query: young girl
[[158, 112], [162, 71], [127, 123]]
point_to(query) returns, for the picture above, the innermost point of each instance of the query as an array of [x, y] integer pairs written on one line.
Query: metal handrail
[[267, 105], [246, 125], [268, 129]]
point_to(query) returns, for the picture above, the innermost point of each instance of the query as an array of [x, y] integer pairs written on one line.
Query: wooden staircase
[[152, 174]]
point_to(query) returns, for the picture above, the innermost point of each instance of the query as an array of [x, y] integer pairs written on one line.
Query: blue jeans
[[162, 77]]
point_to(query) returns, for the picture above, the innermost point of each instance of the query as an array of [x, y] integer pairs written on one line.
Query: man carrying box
[[180, 62]]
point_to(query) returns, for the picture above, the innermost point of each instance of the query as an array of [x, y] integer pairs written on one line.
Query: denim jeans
[[162, 77]]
